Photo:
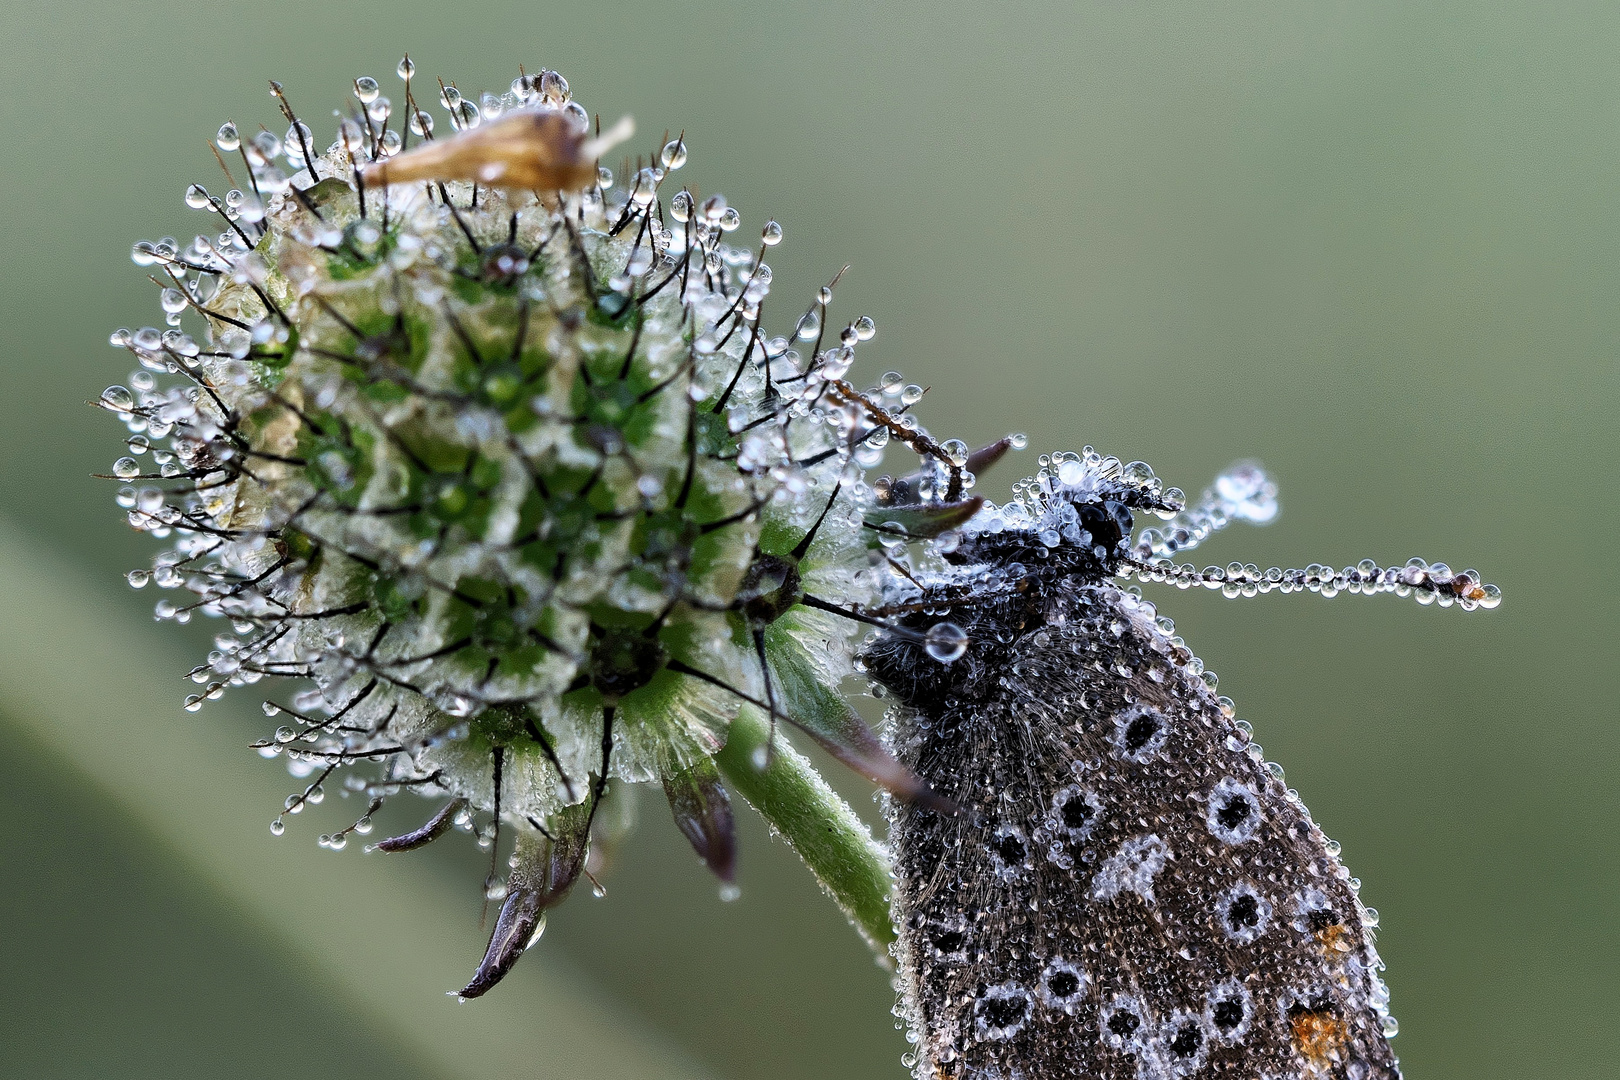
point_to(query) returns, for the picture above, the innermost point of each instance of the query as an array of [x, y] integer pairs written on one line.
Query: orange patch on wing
[[1337, 938], [1318, 1036]]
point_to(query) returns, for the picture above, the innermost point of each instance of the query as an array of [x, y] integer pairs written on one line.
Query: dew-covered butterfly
[[1127, 890]]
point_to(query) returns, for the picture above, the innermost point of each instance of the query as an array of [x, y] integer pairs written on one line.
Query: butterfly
[[1126, 889]]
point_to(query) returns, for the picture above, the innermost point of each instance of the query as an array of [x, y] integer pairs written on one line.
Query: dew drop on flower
[[227, 139], [674, 154], [771, 234]]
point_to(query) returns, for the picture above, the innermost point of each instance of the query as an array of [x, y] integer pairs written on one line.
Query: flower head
[[488, 459]]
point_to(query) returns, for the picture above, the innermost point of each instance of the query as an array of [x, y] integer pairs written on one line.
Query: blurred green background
[[1375, 245]]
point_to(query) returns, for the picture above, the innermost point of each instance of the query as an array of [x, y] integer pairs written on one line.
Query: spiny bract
[[515, 481]]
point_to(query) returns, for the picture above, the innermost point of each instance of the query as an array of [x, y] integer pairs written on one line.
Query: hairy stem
[[819, 825]]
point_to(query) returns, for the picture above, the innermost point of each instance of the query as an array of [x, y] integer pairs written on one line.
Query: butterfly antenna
[[1425, 582], [1243, 492]]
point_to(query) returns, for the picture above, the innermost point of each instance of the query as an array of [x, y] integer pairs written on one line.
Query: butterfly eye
[[1107, 522]]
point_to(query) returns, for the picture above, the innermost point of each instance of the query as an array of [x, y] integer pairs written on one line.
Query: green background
[[1376, 245]]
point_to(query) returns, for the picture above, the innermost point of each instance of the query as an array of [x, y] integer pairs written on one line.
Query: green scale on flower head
[[496, 458]]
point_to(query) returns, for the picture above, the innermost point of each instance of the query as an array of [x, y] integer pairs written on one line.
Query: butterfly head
[[1075, 515]]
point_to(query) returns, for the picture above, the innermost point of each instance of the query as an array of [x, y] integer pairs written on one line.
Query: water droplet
[[277, 827], [227, 139], [945, 642], [771, 234], [674, 155], [126, 467], [406, 68], [680, 207]]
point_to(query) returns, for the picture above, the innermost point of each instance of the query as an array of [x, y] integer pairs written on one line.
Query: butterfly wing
[[1128, 891]]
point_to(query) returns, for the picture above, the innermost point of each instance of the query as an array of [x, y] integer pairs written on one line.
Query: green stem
[[816, 822]]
